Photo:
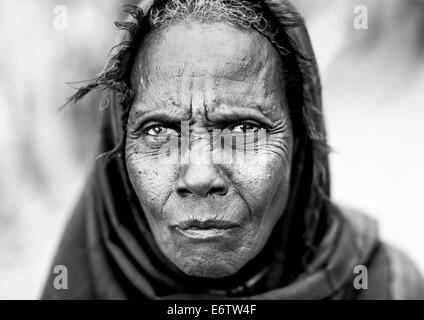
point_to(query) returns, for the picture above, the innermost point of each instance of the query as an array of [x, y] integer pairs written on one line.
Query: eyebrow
[[165, 115], [235, 113], [230, 115], [221, 116]]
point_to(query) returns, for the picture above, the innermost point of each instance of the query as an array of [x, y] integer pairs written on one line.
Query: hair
[[234, 12]]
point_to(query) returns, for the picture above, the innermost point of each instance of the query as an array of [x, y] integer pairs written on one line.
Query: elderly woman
[[154, 223]]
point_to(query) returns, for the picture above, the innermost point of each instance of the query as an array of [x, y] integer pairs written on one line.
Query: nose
[[201, 180]]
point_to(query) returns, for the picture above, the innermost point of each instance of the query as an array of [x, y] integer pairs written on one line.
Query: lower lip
[[205, 234]]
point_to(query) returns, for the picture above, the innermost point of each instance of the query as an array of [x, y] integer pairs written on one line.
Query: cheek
[[263, 182], [152, 180]]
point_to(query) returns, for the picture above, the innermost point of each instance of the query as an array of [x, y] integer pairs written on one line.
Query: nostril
[[222, 191], [183, 192], [214, 190]]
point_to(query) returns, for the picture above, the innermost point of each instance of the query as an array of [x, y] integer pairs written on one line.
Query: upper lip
[[206, 224]]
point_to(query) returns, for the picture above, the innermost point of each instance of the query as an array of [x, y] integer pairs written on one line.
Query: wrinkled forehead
[[206, 50]]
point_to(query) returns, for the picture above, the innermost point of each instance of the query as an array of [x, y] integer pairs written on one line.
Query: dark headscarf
[[108, 243]]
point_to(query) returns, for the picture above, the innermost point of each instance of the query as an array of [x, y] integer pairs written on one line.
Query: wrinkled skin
[[217, 77]]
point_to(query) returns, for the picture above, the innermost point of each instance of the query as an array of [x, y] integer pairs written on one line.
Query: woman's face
[[209, 217]]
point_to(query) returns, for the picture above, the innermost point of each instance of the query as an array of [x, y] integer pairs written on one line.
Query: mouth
[[205, 230]]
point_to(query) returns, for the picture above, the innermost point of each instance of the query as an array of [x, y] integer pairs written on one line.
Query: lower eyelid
[[161, 138]]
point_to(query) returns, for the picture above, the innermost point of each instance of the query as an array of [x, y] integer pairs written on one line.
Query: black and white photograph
[[236, 150]]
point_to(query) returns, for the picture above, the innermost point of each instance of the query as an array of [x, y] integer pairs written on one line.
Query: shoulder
[[406, 281], [391, 273]]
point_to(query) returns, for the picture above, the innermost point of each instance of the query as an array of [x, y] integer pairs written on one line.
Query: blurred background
[[373, 83]]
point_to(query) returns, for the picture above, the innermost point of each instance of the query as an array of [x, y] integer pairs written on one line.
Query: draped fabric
[[110, 252]]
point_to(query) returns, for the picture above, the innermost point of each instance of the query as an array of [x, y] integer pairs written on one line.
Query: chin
[[208, 268]]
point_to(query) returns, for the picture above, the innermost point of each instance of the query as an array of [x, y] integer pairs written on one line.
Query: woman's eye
[[245, 127], [160, 130]]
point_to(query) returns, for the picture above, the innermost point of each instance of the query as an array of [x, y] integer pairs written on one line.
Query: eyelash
[[157, 125], [254, 124]]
